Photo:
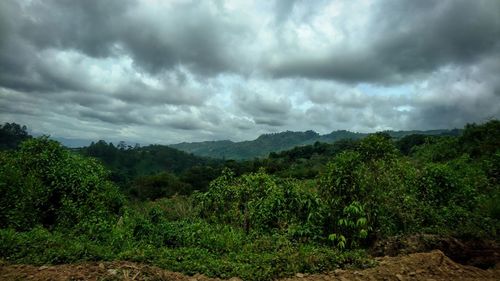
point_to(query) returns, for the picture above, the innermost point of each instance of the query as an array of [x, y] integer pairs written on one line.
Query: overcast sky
[[172, 71]]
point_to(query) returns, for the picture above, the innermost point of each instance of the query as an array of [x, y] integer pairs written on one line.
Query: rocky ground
[[429, 266]]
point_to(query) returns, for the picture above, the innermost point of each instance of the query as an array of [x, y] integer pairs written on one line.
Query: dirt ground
[[418, 266]]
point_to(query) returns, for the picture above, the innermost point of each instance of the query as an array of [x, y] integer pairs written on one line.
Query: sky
[[165, 72]]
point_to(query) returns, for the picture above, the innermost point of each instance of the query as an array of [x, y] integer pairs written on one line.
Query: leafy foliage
[[262, 203], [353, 224], [127, 163], [45, 184], [158, 186]]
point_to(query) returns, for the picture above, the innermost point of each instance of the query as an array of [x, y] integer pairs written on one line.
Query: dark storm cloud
[[109, 117], [215, 69], [403, 38], [428, 34], [341, 64], [459, 96], [188, 123], [156, 39], [46, 47], [264, 109], [269, 121], [88, 26], [173, 92], [17, 70], [16, 108], [261, 104], [200, 42], [455, 112]]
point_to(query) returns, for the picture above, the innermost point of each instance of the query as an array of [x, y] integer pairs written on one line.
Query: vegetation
[[278, 142], [154, 171], [310, 209], [11, 135]]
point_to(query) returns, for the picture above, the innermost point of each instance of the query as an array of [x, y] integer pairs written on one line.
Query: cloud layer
[[172, 71]]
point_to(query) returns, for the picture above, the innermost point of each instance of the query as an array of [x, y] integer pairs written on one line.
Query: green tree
[[377, 146], [481, 140], [158, 186], [261, 202], [11, 135], [340, 184], [407, 143], [56, 188]]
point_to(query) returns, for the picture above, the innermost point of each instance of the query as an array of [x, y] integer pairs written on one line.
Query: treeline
[[11, 135], [154, 171], [276, 142], [310, 209]]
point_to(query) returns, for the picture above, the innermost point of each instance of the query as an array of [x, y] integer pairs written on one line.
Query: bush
[[158, 186], [377, 146], [262, 203], [43, 183], [340, 184], [40, 246]]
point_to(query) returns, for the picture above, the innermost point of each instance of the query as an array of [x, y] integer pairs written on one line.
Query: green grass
[[188, 247]]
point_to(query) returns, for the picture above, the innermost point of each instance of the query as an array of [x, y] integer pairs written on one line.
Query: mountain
[[261, 146], [276, 142], [72, 143]]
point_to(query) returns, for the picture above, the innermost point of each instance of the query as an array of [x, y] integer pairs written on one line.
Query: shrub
[[55, 188], [158, 186], [264, 203]]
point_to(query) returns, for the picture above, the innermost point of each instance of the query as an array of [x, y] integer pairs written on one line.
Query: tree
[[11, 135], [44, 183], [479, 140], [407, 143], [159, 185], [264, 203], [377, 146]]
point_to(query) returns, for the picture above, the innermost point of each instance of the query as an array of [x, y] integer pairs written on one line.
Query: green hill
[[276, 142]]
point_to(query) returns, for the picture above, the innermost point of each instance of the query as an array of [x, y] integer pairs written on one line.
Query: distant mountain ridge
[[275, 142]]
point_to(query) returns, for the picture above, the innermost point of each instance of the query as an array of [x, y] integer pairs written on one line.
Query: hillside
[[153, 171], [276, 142], [144, 160]]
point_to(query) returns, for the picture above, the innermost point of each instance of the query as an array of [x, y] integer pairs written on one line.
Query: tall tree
[[11, 135]]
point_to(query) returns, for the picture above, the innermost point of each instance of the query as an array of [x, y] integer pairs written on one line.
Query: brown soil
[[479, 253], [418, 266], [94, 271]]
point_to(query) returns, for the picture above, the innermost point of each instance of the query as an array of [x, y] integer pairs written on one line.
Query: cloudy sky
[[169, 71]]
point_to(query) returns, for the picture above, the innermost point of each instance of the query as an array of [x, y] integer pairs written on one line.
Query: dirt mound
[[479, 253], [419, 266]]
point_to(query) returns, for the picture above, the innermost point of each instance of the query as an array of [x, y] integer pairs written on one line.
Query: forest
[[310, 209]]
